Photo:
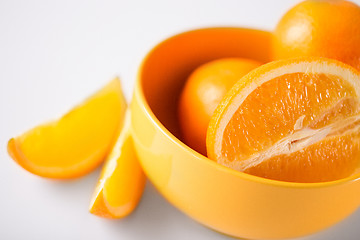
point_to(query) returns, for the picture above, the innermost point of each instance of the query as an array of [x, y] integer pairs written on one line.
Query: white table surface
[[55, 53]]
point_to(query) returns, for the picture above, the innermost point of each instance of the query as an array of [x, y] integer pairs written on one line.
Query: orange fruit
[[122, 180], [76, 143], [293, 120], [329, 28], [203, 91]]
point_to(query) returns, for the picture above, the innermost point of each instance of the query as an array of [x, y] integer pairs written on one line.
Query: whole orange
[[329, 28], [203, 91]]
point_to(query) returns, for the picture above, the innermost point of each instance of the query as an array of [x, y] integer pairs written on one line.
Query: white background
[[55, 53]]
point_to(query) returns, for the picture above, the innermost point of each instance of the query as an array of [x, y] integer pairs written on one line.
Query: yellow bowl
[[223, 199]]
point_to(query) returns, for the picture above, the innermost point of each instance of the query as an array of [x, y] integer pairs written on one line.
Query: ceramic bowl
[[228, 201]]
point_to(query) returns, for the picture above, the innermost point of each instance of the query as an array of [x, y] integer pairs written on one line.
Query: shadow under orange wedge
[[294, 120], [122, 180], [76, 143]]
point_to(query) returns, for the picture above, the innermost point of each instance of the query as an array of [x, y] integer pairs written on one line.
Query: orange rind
[[203, 91], [325, 28]]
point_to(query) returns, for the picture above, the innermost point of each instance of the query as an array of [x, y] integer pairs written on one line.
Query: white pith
[[302, 137]]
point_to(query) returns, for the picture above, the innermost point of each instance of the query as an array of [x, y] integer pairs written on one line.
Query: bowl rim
[[138, 90]]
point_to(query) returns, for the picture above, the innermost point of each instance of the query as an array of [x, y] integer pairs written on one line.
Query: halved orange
[[122, 180], [76, 143], [293, 120]]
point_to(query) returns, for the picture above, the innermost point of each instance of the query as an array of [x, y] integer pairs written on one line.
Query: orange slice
[[78, 142], [293, 120], [122, 180]]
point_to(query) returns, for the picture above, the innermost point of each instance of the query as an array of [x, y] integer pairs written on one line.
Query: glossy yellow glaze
[[223, 199]]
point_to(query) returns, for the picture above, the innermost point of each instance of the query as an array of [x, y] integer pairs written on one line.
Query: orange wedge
[[122, 180], [294, 120], [76, 143]]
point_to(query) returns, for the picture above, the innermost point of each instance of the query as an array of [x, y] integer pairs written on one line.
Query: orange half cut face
[[293, 120]]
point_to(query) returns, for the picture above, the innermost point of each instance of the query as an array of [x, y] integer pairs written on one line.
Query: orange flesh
[[285, 106]]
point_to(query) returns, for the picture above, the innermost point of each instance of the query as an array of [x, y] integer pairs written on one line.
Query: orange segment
[[78, 142], [122, 180], [294, 120]]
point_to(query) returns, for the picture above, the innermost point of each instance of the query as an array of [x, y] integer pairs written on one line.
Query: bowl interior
[[168, 65]]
